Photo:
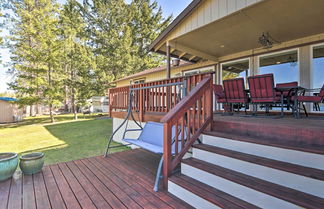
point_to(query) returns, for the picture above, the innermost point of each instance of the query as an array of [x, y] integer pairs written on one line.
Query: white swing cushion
[[151, 138]]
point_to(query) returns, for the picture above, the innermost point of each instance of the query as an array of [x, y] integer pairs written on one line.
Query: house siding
[[155, 76]]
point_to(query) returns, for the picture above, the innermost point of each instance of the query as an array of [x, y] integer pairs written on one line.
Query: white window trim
[[312, 63], [312, 68], [238, 60], [279, 52]]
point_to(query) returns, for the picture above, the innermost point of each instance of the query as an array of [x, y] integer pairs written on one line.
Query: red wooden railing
[[156, 99], [184, 124]]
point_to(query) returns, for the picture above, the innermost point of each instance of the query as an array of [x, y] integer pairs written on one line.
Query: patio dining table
[[291, 89]]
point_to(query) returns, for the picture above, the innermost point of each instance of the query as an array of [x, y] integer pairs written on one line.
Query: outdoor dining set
[[263, 92]]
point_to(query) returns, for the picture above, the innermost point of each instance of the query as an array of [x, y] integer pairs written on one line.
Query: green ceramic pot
[[8, 165], [32, 163]]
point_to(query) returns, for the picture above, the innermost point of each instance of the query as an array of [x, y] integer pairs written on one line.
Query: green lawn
[[65, 140]]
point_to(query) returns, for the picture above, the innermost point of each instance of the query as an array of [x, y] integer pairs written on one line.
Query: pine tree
[[121, 35], [36, 53], [147, 22], [78, 60], [110, 38]]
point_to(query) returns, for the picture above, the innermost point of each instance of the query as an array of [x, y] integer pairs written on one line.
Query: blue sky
[[168, 7]]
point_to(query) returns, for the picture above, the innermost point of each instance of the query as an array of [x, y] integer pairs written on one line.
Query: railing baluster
[[176, 137], [199, 111], [182, 131]]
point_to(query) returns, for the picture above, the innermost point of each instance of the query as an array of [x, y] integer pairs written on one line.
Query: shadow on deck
[[123, 180]]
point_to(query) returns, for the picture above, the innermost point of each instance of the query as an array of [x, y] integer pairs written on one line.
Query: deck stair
[[225, 172]]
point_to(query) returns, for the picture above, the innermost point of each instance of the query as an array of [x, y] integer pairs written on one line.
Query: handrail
[[193, 115], [153, 96]]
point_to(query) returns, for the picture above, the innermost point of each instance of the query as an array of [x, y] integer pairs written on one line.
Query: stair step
[[250, 189], [269, 170], [289, 167], [318, 149], [302, 158], [203, 193]]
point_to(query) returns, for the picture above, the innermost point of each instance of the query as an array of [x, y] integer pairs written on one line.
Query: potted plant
[[32, 163], [8, 165]]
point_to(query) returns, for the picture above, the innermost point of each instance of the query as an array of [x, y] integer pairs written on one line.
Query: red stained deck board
[[135, 195], [122, 195], [75, 186], [15, 198], [147, 178], [154, 202], [91, 183], [41, 194], [52, 189], [93, 193], [65, 190], [113, 201], [4, 193], [28, 192]]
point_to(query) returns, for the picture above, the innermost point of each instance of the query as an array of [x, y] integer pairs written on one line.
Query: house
[[154, 74], [242, 161], [209, 160], [9, 111]]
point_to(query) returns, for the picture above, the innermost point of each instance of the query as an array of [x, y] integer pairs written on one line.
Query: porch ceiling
[[283, 20]]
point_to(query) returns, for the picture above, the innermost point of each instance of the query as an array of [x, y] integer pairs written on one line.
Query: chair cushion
[[235, 91], [307, 98], [262, 89]]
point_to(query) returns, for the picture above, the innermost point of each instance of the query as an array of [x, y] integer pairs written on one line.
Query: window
[[318, 66], [138, 81], [235, 69], [198, 71], [283, 65], [318, 71]]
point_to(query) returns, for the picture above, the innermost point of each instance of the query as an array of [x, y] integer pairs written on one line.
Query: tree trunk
[[51, 113], [50, 85], [74, 108]]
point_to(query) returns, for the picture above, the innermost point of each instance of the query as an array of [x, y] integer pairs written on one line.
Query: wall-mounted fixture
[[266, 41]]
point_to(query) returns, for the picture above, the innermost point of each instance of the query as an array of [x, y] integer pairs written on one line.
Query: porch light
[[266, 41]]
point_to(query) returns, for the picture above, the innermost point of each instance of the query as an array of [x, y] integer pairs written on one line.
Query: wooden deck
[[123, 180]]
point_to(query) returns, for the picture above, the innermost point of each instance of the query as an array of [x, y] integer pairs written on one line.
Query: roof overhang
[[240, 31]]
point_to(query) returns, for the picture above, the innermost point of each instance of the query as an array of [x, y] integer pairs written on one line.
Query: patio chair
[[262, 91], [151, 139], [301, 99], [235, 93], [219, 93]]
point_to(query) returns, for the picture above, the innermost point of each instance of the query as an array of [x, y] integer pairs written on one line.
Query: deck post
[[168, 64], [209, 104], [141, 104], [110, 102], [166, 154]]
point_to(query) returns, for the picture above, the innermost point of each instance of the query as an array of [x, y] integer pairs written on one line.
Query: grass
[[62, 141]]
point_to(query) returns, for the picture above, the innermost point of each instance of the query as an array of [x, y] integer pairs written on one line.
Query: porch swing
[[151, 136]]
